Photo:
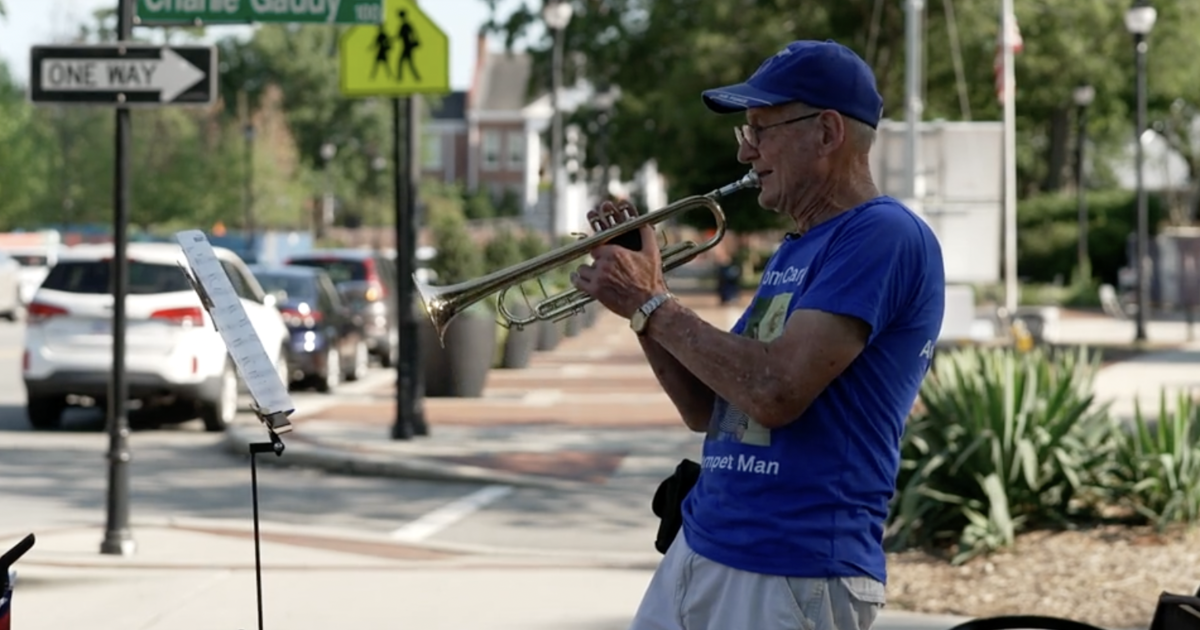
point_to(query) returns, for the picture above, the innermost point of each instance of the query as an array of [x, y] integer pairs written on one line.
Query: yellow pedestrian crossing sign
[[405, 54]]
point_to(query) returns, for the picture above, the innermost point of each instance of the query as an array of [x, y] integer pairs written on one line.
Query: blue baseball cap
[[824, 74]]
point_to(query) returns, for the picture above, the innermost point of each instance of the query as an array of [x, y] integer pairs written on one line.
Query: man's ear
[[833, 132]]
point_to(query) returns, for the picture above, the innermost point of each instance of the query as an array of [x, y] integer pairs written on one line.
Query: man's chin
[[768, 201]]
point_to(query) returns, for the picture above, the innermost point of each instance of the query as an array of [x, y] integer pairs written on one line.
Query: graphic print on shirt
[[765, 322]]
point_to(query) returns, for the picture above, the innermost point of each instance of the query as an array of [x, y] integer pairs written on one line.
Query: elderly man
[[803, 403]]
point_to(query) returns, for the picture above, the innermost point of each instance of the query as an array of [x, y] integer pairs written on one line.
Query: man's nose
[[746, 153]]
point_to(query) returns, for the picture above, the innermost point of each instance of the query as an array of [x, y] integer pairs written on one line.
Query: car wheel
[[45, 412], [333, 372], [362, 361], [219, 412]]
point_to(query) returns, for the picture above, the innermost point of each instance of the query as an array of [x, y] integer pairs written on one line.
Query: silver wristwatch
[[641, 317]]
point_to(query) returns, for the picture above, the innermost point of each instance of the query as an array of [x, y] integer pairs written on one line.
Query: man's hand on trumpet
[[621, 279]]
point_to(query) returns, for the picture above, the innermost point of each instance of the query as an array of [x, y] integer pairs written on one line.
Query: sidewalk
[[199, 575]]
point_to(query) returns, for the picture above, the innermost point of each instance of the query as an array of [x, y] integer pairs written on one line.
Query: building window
[[431, 151], [516, 151], [491, 149]]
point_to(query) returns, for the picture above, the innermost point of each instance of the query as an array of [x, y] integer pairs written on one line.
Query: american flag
[[998, 62]]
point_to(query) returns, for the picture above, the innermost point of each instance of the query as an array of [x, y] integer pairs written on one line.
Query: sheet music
[[221, 301]]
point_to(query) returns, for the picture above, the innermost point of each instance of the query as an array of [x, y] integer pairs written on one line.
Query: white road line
[[449, 514]]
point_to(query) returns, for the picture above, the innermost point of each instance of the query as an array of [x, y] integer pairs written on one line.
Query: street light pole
[[248, 194], [328, 151], [914, 12], [1139, 20], [1083, 96], [118, 539], [557, 14]]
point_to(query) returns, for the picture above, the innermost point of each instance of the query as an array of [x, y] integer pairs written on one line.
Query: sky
[[33, 22]]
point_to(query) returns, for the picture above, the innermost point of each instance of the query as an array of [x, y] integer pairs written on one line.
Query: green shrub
[[478, 205], [1002, 441], [1156, 469], [458, 258], [502, 250], [532, 245], [510, 204], [1048, 236]]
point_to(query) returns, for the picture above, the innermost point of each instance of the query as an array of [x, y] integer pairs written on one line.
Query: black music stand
[[272, 403], [271, 421]]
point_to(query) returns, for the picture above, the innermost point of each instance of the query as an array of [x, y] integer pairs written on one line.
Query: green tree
[[662, 53]]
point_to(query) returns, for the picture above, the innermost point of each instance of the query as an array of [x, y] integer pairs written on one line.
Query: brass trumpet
[[445, 303]]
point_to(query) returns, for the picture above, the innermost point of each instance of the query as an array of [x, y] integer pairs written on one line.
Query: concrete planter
[[460, 368]]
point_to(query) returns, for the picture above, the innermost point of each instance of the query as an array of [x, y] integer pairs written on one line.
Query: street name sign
[[196, 12], [406, 54], [123, 74]]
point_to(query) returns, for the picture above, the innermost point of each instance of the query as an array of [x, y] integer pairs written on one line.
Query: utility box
[[960, 191]]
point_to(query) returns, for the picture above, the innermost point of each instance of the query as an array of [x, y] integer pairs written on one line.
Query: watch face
[[637, 321]]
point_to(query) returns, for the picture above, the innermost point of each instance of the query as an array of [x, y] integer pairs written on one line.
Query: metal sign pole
[[117, 538], [410, 410]]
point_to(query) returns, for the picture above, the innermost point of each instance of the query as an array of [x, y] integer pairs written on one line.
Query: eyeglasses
[[749, 134]]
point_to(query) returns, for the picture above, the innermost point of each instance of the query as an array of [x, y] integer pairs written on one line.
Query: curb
[[314, 455]]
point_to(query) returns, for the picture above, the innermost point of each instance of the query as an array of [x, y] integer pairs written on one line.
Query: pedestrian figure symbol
[[409, 42], [406, 37], [383, 45]]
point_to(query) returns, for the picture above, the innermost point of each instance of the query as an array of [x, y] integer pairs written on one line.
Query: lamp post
[[1139, 20], [378, 163], [604, 102], [248, 193], [328, 151], [1083, 96], [557, 14]]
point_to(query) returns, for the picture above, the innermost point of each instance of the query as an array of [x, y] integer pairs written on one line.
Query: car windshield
[[287, 286], [339, 270], [92, 276]]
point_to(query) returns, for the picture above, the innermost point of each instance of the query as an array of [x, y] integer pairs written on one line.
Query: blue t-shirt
[[810, 499]]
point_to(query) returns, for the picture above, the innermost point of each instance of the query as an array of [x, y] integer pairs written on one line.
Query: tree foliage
[[663, 53], [197, 166]]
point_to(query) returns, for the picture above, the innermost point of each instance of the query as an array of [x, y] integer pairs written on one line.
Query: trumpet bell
[[439, 305]]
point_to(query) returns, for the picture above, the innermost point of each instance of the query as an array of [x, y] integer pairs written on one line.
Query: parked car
[[173, 354], [327, 340], [35, 264], [367, 281], [10, 287]]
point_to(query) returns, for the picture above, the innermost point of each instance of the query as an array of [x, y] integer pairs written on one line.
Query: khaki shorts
[[690, 592]]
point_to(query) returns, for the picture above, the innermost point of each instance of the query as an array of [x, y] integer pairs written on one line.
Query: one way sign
[[123, 74]]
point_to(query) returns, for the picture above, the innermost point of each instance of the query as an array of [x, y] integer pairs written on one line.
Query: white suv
[[173, 355]]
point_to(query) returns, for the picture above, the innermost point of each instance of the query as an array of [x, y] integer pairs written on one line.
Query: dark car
[[327, 340], [366, 280]]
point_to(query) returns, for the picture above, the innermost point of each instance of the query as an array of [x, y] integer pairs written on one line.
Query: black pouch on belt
[[1177, 612], [668, 502]]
